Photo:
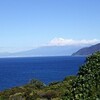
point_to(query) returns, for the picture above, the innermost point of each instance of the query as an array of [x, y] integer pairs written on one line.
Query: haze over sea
[[19, 71]]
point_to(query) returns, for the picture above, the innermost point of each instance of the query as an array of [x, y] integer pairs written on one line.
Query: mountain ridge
[[44, 51], [87, 50]]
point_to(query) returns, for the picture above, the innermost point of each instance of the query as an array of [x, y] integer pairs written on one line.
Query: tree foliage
[[87, 83]]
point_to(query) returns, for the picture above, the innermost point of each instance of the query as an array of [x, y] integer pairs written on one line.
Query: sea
[[19, 71]]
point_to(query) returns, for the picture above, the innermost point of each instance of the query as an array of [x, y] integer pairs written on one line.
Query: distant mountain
[[45, 51], [88, 50]]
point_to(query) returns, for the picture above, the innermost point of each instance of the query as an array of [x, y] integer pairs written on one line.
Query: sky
[[27, 24]]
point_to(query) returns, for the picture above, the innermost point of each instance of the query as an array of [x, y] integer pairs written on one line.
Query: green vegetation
[[36, 90], [87, 83], [84, 86]]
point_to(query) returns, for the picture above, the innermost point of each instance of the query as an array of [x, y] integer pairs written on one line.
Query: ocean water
[[19, 71]]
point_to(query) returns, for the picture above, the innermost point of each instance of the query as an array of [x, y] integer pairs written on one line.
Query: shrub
[[49, 94], [37, 83]]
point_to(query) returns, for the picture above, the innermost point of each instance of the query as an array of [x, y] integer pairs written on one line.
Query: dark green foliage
[[50, 94], [69, 78], [53, 83], [37, 83], [87, 83]]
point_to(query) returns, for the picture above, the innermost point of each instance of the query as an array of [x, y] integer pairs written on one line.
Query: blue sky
[[26, 24]]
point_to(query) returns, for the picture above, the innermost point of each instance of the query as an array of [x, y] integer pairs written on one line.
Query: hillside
[[88, 50]]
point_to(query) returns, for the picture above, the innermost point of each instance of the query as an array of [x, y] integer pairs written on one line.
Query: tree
[[87, 83]]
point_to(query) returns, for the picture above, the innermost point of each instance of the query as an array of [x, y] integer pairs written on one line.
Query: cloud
[[62, 42]]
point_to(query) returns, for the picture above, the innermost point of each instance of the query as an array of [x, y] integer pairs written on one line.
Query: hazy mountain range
[[44, 51], [55, 51]]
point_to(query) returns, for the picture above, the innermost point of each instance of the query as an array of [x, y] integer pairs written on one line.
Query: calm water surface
[[19, 71]]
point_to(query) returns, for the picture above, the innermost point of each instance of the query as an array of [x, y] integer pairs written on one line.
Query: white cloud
[[62, 42]]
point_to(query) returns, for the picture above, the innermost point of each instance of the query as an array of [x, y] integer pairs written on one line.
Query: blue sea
[[19, 71]]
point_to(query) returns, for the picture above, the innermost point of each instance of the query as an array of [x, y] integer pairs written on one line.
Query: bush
[[49, 94], [37, 83], [17, 96]]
